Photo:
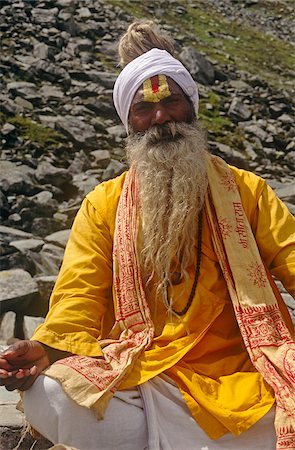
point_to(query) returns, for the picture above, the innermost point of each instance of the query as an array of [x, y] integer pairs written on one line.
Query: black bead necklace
[[198, 266]]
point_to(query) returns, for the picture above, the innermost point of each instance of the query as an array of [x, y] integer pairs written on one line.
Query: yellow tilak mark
[[156, 89]]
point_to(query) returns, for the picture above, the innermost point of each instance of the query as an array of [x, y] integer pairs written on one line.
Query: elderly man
[[165, 329]]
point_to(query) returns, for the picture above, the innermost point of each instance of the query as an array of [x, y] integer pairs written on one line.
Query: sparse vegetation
[[35, 132]]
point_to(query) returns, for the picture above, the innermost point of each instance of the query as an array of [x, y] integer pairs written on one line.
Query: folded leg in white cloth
[[152, 417]]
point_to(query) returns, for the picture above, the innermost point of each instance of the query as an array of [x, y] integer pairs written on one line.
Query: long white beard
[[171, 166]]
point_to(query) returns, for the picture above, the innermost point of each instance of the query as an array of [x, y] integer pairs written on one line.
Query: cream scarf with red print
[[92, 382]]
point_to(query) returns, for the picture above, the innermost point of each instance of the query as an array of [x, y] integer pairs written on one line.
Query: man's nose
[[160, 115]]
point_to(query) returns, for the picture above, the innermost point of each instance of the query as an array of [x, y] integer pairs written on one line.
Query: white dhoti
[[151, 417]]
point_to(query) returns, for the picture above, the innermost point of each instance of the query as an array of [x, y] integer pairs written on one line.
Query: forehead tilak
[[156, 89]]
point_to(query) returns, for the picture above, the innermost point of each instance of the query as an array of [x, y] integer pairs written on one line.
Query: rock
[[60, 238], [27, 244], [44, 203], [17, 290], [23, 103], [4, 206], [233, 156], [45, 225], [81, 134], [30, 324], [101, 158], [238, 110], [277, 109], [117, 131], [53, 255], [51, 72], [290, 159], [17, 260], [286, 192], [51, 94], [199, 67], [256, 131], [8, 234], [78, 45], [44, 16], [41, 50], [7, 129], [85, 183], [289, 300], [17, 179], [81, 163], [106, 79], [45, 286], [7, 326], [46, 173], [114, 169]]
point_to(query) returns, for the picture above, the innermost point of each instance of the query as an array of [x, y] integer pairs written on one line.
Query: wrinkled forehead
[[157, 88]]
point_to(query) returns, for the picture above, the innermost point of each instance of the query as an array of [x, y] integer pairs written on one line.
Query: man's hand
[[21, 363]]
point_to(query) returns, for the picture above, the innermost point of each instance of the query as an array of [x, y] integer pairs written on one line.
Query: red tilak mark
[[155, 84]]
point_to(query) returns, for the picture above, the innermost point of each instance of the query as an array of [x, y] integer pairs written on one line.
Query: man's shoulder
[[107, 192], [248, 180]]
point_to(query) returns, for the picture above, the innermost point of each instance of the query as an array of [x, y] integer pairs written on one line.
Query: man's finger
[[5, 365], [22, 385], [18, 349]]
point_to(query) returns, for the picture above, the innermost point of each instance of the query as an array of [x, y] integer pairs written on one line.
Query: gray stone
[[199, 67], [84, 13], [16, 179], [289, 300], [238, 110], [7, 129], [287, 192], [10, 416], [23, 103], [291, 207], [106, 79], [41, 50], [230, 154], [59, 238], [80, 133], [17, 290], [117, 131], [85, 183], [30, 324], [51, 72], [43, 226], [48, 121], [81, 163], [78, 45], [7, 326], [51, 93], [256, 131], [114, 169], [290, 158], [101, 158], [45, 286], [28, 244], [12, 234], [44, 199], [46, 173], [53, 255], [44, 16]]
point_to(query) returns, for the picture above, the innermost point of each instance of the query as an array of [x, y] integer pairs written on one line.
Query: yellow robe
[[203, 353]]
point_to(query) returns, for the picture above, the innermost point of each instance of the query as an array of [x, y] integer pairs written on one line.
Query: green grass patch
[[35, 132]]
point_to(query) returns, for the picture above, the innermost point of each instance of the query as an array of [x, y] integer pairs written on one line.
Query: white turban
[[154, 62]]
